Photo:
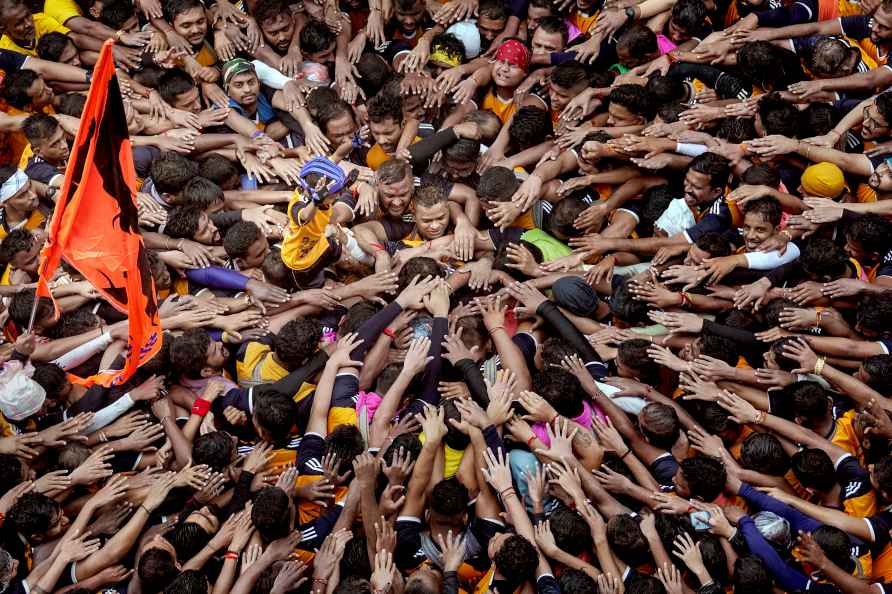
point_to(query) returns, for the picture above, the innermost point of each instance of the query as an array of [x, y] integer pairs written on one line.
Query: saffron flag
[[95, 223]]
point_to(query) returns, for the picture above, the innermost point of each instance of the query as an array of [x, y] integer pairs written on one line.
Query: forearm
[[512, 358], [54, 349], [182, 447], [201, 558], [226, 579]]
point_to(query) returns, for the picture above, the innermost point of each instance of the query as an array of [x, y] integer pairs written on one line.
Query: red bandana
[[514, 52]]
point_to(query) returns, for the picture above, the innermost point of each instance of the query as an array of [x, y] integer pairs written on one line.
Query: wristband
[[623, 457], [492, 330], [201, 407], [819, 365], [530, 441], [389, 332], [231, 555]]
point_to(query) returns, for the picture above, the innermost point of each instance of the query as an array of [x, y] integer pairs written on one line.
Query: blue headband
[[323, 168]]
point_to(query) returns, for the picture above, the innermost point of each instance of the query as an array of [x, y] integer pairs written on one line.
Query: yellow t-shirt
[[43, 24], [503, 109], [62, 10], [304, 243], [258, 366]]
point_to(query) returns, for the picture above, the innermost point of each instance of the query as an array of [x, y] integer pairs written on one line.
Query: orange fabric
[[95, 225], [828, 10]]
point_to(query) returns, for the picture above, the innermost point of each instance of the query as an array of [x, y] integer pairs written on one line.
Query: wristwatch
[[630, 13]]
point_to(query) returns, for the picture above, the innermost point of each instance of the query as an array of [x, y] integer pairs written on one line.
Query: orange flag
[[95, 223]]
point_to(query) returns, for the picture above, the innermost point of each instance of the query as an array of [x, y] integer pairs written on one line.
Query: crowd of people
[[566, 296]]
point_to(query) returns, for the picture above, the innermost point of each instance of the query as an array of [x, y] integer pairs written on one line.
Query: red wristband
[[389, 332], [201, 407], [530, 441], [231, 555]]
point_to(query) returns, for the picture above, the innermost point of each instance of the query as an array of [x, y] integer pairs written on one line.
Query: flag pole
[[33, 311]]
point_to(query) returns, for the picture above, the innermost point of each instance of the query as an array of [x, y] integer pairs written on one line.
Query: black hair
[[555, 24], [750, 576], [666, 89], [466, 149], [761, 174], [183, 221], [71, 104], [270, 513], [837, 545], [51, 45], [32, 515], [817, 119], [671, 112], [660, 425], [721, 348], [345, 442], [635, 98], [202, 192], [570, 531], [654, 201], [569, 74], [275, 412], [315, 37], [190, 581], [705, 476], [39, 126], [645, 584], [493, 9], [768, 207], [170, 172], [297, 341], [883, 102], [156, 569], [218, 169], [172, 8], [116, 13], [188, 352], [768, 66], [420, 266], [374, 72], [736, 130], [450, 498], [764, 453], [516, 559], [779, 116], [574, 581], [717, 167], [22, 303], [15, 87], [810, 402], [187, 539], [689, 15], [626, 307], [240, 237], [561, 389], [814, 469], [215, 450], [875, 312], [879, 368], [639, 41], [18, 241], [872, 231], [497, 184], [384, 106], [530, 126], [633, 354], [11, 471], [564, 214], [175, 82], [627, 541]]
